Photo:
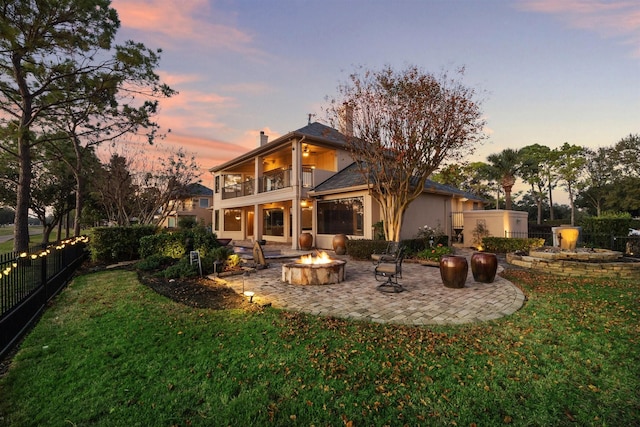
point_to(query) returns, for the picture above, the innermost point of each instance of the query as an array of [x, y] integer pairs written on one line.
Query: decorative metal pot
[[453, 271], [306, 241], [340, 244], [484, 266]]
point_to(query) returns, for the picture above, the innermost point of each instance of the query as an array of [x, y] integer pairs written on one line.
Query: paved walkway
[[425, 299]]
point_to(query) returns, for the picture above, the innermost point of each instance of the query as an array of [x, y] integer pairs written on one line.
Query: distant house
[[306, 181], [196, 204]]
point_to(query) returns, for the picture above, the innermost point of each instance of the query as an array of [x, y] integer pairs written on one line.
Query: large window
[[341, 216], [232, 220], [273, 222]]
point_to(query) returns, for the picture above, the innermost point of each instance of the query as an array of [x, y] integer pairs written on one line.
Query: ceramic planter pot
[[340, 244], [306, 241], [453, 271], [484, 266]]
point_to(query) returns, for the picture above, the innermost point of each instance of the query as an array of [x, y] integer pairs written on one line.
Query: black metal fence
[[624, 244], [29, 280]]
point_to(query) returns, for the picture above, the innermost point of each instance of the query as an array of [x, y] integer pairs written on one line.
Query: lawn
[[34, 238], [111, 352]]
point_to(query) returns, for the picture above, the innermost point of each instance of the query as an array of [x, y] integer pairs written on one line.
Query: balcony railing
[[275, 180], [307, 177], [238, 190]]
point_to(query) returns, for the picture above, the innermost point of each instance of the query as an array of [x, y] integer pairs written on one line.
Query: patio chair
[[389, 254], [389, 272]]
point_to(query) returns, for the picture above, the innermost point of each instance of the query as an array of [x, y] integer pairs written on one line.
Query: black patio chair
[[389, 272], [389, 254]]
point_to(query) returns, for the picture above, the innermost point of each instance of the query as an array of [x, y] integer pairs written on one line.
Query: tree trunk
[[80, 183], [59, 229], [572, 205], [392, 214], [46, 232], [507, 198], [21, 226], [551, 217]]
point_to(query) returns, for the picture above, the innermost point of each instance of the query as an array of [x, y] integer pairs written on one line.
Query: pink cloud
[[607, 18], [179, 21]]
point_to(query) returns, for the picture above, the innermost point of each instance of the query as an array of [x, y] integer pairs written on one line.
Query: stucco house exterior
[[196, 204], [306, 181]]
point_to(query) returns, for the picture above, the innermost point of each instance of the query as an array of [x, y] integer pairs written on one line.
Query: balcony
[[238, 190], [275, 180]]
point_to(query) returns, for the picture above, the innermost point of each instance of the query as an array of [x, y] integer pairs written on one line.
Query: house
[[197, 204], [306, 181]]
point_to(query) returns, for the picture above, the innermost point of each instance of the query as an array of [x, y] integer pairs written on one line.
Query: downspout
[[296, 201]]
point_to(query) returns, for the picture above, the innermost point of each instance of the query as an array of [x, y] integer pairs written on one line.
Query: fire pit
[[310, 270]]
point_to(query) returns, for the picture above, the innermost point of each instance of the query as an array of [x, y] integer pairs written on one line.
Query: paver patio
[[425, 299]]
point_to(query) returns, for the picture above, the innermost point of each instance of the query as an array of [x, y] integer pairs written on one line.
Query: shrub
[[114, 244], [598, 230], [504, 244], [363, 248], [176, 244], [435, 253], [155, 262], [181, 269]]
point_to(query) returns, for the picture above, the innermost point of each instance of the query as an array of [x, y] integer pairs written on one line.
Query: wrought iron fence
[[628, 245], [29, 280]]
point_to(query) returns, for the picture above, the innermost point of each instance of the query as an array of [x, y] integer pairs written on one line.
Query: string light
[[45, 252]]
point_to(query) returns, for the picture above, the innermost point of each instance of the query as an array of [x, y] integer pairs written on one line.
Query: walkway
[[425, 300]]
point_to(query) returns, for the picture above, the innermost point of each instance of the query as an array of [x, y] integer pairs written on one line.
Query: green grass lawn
[[111, 352], [34, 239]]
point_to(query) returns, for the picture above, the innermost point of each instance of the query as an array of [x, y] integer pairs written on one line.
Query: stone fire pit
[[309, 270]]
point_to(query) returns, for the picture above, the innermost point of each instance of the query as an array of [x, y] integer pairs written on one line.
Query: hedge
[[116, 244], [505, 244]]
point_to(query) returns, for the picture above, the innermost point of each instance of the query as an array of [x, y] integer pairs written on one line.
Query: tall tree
[[532, 170], [44, 44], [570, 163], [627, 154], [506, 165], [598, 177], [466, 176], [136, 187], [402, 125]]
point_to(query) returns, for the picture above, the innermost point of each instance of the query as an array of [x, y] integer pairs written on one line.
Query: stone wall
[[627, 270]]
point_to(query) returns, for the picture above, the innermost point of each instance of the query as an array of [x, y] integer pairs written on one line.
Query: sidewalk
[[425, 299]]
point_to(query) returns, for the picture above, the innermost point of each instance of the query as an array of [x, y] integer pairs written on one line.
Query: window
[[341, 216], [217, 184], [307, 218], [233, 220], [171, 222], [273, 221], [204, 203], [216, 221]]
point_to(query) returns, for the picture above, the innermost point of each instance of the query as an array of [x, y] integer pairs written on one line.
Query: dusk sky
[[550, 71]]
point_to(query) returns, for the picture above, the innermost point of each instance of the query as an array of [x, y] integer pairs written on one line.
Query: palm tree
[[505, 165]]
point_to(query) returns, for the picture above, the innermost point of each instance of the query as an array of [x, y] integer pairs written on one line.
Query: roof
[[319, 131], [197, 189], [350, 178], [313, 131]]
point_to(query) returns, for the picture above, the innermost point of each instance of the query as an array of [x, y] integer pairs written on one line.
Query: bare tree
[[141, 188], [404, 124]]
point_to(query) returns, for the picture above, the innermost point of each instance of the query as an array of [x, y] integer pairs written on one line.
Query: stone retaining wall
[[628, 270]]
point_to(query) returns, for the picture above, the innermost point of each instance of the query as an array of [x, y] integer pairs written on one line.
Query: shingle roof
[[350, 177], [315, 130], [318, 130], [197, 189]]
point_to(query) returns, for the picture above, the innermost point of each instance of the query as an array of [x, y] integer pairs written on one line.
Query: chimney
[[264, 139], [346, 120]]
